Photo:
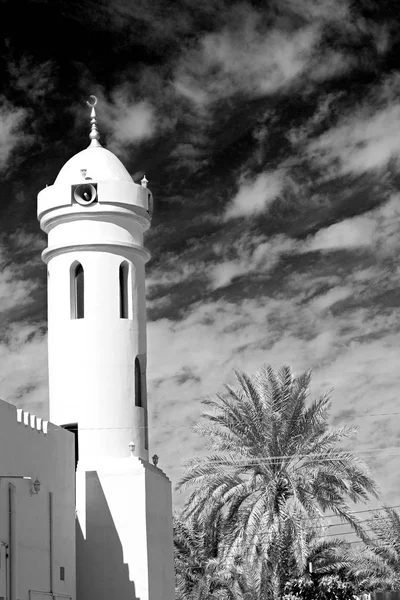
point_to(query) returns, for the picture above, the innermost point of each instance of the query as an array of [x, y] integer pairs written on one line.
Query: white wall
[[37, 449], [91, 360], [124, 537]]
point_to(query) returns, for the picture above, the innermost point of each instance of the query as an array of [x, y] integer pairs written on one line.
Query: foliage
[[325, 588], [379, 564], [275, 468], [199, 573]]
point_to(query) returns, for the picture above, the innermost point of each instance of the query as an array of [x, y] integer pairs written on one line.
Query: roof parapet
[[35, 423]]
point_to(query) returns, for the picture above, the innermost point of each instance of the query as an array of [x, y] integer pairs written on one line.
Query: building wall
[[98, 390], [124, 535], [34, 448]]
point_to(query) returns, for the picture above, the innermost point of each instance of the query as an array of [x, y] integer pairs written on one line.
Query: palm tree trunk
[[276, 581]]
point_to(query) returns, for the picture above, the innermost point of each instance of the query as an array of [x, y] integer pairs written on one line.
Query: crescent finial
[[94, 135], [92, 105]]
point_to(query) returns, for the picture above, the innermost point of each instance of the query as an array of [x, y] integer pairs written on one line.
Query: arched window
[[138, 383], [123, 291], [78, 292]]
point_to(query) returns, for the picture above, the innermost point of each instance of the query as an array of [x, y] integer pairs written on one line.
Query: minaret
[[95, 217]]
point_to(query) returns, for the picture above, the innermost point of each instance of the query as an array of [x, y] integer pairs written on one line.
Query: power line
[[320, 457], [263, 532], [324, 456], [343, 533], [356, 512], [174, 426], [362, 521], [322, 537], [265, 460]]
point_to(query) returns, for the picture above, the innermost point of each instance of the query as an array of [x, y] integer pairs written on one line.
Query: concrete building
[[37, 508], [95, 217]]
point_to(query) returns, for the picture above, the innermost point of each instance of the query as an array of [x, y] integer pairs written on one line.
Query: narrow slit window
[[138, 383], [123, 291], [78, 295]]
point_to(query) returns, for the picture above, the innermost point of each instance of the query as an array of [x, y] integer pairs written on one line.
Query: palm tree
[[199, 572], [275, 467], [379, 563]]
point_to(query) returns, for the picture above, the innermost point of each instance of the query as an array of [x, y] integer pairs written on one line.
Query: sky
[[270, 136]]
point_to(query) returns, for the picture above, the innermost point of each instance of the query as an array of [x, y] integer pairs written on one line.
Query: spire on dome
[[94, 134]]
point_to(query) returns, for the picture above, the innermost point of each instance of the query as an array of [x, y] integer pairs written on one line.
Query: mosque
[[84, 514]]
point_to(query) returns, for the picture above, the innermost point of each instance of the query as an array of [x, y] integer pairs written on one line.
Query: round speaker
[[85, 194]]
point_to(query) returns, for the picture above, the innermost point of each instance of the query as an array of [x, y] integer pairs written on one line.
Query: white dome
[[100, 165]]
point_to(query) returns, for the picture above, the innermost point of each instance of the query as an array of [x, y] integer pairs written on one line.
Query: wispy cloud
[[363, 138], [15, 290], [376, 229], [254, 196], [255, 56], [128, 121], [360, 142], [37, 80], [23, 373], [350, 233], [23, 344], [252, 255], [12, 136], [244, 57]]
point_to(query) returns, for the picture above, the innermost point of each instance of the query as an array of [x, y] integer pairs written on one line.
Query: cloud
[[253, 255], [254, 196], [325, 301], [319, 10], [36, 80], [331, 64], [12, 136], [23, 348], [23, 373], [15, 290], [374, 230], [244, 57], [362, 141], [21, 240], [169, 276], [351, 233], [127, 120], [377, 228], [256, 56]]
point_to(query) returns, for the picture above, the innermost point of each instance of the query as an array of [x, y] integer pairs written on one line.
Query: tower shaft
[[96, 307]]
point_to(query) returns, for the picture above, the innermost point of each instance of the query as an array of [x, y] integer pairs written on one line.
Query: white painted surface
[[91, 360], [99, 163], [124, 540], [37, 449]]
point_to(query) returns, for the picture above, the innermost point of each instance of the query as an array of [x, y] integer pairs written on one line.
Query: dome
[[100, 165]]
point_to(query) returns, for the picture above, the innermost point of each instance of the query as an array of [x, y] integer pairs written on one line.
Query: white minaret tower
[[95, 217]]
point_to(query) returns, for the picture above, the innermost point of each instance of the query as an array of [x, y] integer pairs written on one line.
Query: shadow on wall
[[100, 570]]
